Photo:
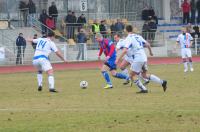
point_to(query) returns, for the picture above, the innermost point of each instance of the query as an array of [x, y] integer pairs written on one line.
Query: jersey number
[[41, 44]]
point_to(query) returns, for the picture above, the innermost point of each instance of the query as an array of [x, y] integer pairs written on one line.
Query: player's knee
[[190, 59], [39, 72], [50, 72], [184, 60]]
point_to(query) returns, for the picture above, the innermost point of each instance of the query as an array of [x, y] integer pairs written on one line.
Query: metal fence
[[84, 52]]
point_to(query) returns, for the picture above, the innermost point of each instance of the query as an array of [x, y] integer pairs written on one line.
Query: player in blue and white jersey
[[134, 49], [185, 41], [41, 59]]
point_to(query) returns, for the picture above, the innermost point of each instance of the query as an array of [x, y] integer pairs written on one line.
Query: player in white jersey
[[126, 60], [185, 41], [41, 59], [134, 49]]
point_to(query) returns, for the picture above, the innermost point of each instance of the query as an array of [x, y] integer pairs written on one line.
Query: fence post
[[85, 52]]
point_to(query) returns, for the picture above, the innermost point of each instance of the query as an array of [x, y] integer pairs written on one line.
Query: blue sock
[[106, 77], [122, 76]]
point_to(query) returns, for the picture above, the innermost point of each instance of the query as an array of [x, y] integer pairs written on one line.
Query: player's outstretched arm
[[124, 51], [58, 53], [149, 48]]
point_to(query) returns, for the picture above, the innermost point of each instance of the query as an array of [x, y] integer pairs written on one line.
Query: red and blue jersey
[[108, 47]]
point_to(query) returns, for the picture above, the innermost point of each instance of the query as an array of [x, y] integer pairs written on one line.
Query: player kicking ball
[[185, 41], [41, 59], [134, 49], [108, 48]]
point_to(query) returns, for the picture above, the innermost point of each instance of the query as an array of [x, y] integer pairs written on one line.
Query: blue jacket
[[20, 41]]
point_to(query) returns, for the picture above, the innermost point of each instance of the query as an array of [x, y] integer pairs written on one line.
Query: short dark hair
[[129, 28], [51, 34], [118, 35], [20, 33]]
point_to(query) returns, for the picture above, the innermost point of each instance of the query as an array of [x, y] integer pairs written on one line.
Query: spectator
[[145, 13], [81, 41], [119, 26], [50, 23], [32, 12], [69, 21], [95, 27], [193, 11], [81, 21], [21, 45], [102, 28], [145, 30], [112, 28], [151, 12], [152, 28], [23, 12], [186, 11], [34, 44], [198, 10], [74, 24], [42, 19], [53, 12], [189, 28]]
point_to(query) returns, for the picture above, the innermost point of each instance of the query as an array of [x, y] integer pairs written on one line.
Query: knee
[[190, 59], [184, 60], [39, 72]]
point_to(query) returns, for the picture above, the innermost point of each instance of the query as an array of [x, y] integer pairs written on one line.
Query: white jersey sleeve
[[53, 47], [120, 44], [35, 40]]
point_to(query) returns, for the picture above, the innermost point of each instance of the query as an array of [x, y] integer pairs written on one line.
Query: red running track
[[88, 65]]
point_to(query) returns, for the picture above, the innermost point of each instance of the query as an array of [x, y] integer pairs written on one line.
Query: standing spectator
[[186, 11], [119, 26], [53, 12], [34, 44], [102, 28], [69, 21], [145, 30], [112, 29], [81, 41], [42, 19], [193, 11], [151, 12], [145, 13], [198, 9], [32, 12], [74, 24], [50, 23], [21, 45], [81, 21], [95, 29], [152, 28], [23, 12]]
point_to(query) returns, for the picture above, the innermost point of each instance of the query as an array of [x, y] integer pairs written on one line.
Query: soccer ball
[[83, 84]]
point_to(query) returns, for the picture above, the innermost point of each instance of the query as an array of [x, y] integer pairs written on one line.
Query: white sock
[[145, 79], [125, 71], [155, 79], [185, 65], [39, 79], [190, 63], [51, 82], [140, 85]]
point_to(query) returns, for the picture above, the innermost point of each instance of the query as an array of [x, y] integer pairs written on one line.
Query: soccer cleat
[[185, 70], [142, 91], [53, 90], [40, 88], [126, 82], [191, 69], [145, 83], [108, 86], [164, 85]]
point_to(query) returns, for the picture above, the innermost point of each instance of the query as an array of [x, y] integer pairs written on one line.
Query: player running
[[41, 59], [185, 41], [134, 49], [108, 47]]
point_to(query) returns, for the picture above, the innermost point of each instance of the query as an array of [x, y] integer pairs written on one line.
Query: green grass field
[[24, 109]]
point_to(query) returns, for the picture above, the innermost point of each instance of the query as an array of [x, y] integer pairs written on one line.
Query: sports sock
[[155, 79], [121, 76], [39, 79], [190, 63], [145, 79], [106, 77], [185, 66], [51, 82], [140, 85]]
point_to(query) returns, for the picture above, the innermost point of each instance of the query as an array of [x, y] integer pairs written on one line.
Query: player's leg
[[184, 58], [37, 65], [135, 70], [46, 66], [189, 55], [104, 71], [124, 70]]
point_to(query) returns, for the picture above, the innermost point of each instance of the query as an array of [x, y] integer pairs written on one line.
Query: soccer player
[[41, 59], [126, 60], [185, 40], [134, 49], [108, 47]]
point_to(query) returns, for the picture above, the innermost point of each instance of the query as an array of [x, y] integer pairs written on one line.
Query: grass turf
[[24, 109]]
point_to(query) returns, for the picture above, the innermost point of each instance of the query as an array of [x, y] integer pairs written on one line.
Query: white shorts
[[128, 59], [42, 64], [186, 52], [139, 67]]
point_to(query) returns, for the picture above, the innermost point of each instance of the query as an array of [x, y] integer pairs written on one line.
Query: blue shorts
[[111, 63]]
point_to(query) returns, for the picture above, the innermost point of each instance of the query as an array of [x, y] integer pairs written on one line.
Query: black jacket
[[20, 41], [53, 11], [31, 7]]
